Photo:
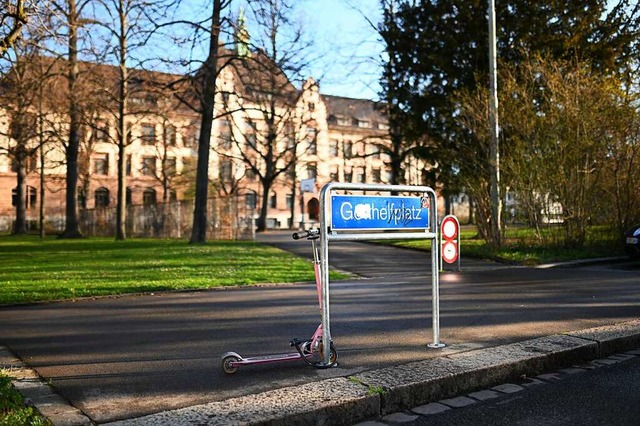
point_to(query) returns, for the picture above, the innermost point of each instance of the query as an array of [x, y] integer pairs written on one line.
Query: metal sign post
[[348, 217]]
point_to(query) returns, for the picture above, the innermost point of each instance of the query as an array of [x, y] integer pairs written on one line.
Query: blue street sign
[[378, 212]]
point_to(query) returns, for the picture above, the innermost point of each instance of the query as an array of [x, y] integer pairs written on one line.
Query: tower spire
[[242, 37]]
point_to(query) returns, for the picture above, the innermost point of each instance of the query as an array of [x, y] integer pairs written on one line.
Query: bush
[[13, 411]]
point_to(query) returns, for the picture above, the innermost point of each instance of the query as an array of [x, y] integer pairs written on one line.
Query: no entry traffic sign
[[450, 232]]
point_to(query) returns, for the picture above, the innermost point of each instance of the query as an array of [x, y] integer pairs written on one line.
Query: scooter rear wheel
[[226, 364]]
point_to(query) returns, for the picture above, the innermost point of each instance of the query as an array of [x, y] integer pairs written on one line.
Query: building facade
[[302, 135]]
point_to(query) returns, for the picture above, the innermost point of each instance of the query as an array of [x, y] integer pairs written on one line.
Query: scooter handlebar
[[310, 233]]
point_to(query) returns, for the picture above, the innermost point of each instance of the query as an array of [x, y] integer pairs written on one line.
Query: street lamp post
[[494, 151]]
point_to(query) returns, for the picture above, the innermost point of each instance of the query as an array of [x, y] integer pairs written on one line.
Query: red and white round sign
[[449, 228], [450, 252]]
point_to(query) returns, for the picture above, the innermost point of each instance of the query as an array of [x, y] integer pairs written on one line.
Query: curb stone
[[613, 339], [39, 394], [319, 403], [351, 400], [420, 382]]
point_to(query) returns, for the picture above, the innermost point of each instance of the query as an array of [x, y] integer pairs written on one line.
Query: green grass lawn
[[521, 247], [12, 409], [34, 270]]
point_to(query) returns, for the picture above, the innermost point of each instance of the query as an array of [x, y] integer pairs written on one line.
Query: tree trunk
[[199, 231], [121, 205], [264, 206], [72, 229], [42, 163], [20, 227], [294, 191]]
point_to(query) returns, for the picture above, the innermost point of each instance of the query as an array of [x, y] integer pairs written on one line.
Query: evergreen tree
[[441, 49]]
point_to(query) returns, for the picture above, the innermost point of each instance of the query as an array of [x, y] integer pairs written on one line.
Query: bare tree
[[23, 100], [126, 26], [570, 138], [274, 122], [13, 16], [207, 90], [72, 13]]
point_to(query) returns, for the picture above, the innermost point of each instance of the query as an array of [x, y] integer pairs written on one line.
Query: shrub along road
[[117, 358]]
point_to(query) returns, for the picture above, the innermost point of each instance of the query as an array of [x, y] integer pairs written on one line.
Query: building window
[[170, 135], [170, 167], [127, 165], [333, 148], [348, 176], [362, 149], [348, 149], [313, 147], [226, 170], [101, 197], [289, 135], [291, 171], [250, 129], [82, 199], [148, 166], [311, 106], [335, 174], [148, 134], [251, 140], [101, 164], [312, 170], [31, 164], [149, 197], [362, 176], [251, 200], [376, 175], [312, 133], [343, 121], [31, 197], [389, 175], [129, 134], [128, 196], [364, 124], [190, 137], [289, 201], [224, 129], [273, 200], [291, 142], [250, 174], [101, 131]]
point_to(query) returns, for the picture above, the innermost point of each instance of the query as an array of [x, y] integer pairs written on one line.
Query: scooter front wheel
[[226, 364], [315, 358]]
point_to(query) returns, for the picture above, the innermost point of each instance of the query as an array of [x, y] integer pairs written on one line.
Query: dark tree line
[[437, 50]]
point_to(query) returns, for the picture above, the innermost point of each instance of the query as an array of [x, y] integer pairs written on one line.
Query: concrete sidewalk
[[371, 394]]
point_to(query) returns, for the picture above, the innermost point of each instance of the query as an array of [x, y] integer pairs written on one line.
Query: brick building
[[329, 138]]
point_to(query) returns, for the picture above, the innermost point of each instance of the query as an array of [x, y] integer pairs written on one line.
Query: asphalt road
[[117, 358], [605, 396]]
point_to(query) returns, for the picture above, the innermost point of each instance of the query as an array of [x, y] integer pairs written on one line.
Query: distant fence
[[227, 219]]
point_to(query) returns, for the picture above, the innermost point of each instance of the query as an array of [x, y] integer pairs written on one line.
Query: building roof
[[343, 111]]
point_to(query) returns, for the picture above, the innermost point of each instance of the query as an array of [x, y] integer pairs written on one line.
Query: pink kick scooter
[[311, 351]]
